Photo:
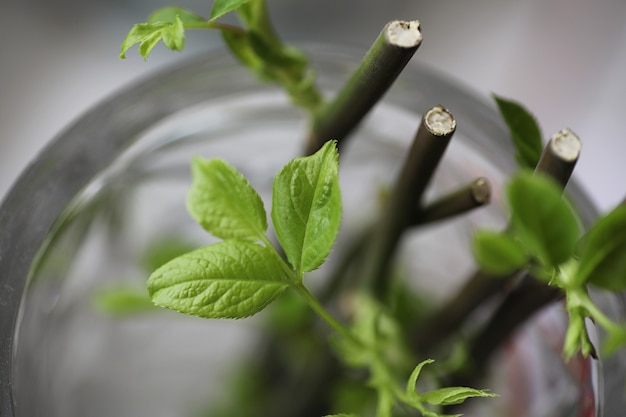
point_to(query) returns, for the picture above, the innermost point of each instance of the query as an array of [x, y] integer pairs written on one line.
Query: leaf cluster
[[241, 275], [255, 44]]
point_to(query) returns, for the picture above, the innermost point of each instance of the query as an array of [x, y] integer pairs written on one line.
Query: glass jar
[[87, 213]]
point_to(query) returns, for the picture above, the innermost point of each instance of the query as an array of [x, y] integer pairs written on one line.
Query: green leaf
[[222, 7], [543, 220], [232, 279], [410, 386], [146, 35], [165, 24], [123, 301], [603, 254], [453, 395], [524, 130], [498, 253], [306, 208], [174, 35], [224, 203]]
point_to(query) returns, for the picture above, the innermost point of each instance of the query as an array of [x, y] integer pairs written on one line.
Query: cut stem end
[[404, 34], [439, 121]]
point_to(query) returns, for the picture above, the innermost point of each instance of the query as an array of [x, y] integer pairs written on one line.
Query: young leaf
[[524, 130], [165, 24], [603, 255], [498, 253], [222, 7], [543, 220], [410, 386], [232, 279], [306, 208], [224, 203], [577, 337], [147, 35], [453, 395]]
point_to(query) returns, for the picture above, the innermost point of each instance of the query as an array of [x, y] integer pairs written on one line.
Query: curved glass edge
[[85, 148]]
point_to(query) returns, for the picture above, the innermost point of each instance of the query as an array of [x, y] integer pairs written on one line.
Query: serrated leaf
[[224, 203], [543, 220], [145, 34], [498, 253], [165, 24], [306, 208], [232, 279], [603, 254], [453, 395], [222, 7], [524, 130]]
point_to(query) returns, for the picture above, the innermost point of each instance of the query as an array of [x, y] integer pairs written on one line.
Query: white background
[[564, 59]]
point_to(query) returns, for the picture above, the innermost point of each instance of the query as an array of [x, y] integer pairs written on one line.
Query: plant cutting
[[541, 257], [344, 330]]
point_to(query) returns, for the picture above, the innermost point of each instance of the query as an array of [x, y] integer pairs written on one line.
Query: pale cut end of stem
[[404, 34], [559, 157], [481, 191], [566, 145], [439, 121]]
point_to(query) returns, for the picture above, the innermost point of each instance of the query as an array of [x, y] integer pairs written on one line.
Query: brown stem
[[380, 67], [466, 198], [557, 161], [429, 145], [518, 306], [445, 322]]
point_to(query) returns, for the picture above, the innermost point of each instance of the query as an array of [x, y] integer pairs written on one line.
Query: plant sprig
[[545, 240], [242, 274], [255, 44], [238, 277]]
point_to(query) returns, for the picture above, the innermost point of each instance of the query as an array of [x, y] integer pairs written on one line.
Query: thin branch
[[519, 305], [471, 196], [446, 321], [429, 145], [380, 67]]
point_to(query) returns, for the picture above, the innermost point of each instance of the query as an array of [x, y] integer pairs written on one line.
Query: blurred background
[[564, 59]]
